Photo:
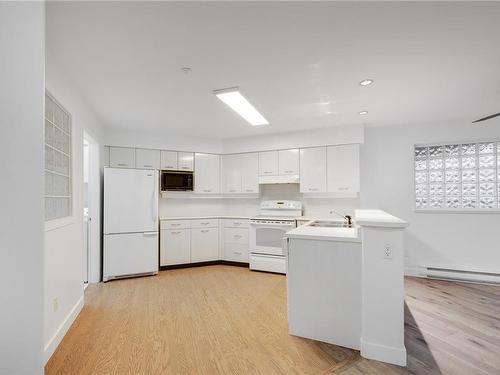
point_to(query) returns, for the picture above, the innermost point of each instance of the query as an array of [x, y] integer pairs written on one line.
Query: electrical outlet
[[55, 304], [387, 252]]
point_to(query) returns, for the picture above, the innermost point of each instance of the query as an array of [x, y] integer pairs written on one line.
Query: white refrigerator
[[130, 222]]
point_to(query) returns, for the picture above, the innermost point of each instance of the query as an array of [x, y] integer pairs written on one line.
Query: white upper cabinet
[[147, 159], [122, 157], [207, 173], [313, 170], [288, 161], [240, 173], [268, 163], [249, 167], [231, 173], [343, 168], [169, 160], [185, 161]]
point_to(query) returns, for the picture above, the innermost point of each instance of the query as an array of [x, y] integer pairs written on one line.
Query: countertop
[[325, 234], [378, 218], [205, 217], [300, 218]]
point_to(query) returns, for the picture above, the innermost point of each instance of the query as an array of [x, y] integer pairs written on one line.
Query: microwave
[[176, 181]]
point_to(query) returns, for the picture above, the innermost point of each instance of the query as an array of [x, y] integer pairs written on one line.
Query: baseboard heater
[[461, 275]]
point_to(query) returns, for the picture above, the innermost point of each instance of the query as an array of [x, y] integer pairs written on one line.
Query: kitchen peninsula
[[345, 285]]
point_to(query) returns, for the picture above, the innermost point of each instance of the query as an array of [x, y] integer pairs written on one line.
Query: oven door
[[267, 238]]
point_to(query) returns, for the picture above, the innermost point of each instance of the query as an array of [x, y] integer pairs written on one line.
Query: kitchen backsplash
[[318, 207]]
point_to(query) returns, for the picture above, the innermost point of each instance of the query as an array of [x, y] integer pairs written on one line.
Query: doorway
[[91, 254]]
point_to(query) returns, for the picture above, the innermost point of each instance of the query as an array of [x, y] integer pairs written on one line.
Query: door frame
[[94, 191]]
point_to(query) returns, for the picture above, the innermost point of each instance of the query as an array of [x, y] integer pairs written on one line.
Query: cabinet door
[[207, 172], [204, 244], [268, 163], [147, 159], [288, 161], [169, 160], [231, 173], [185, 161], [122, 157], [175, 247], [313, 170], [343, 168], [249, 173]]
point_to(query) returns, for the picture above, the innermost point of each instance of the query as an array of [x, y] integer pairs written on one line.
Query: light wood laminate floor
[[229, 320]]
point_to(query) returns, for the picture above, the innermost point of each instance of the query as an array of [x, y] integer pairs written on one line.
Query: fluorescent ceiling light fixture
[[238, 103], [363, 112], [366, 82]]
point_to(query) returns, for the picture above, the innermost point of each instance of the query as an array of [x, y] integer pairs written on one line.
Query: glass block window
[[458, 176], [58, 160]]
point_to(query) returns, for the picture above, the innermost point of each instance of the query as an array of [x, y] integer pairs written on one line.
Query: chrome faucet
[[348, 218]]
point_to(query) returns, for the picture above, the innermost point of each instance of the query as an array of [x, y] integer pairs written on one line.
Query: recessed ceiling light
[[363, 112], [366, 82], [238, 103]]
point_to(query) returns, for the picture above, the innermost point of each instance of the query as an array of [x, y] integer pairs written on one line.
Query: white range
[[267, 231]]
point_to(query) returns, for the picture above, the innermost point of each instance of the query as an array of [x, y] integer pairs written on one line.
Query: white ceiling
[[431, 62]]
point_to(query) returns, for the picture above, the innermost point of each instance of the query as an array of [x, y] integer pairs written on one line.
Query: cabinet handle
[[343, 188], [148, 166], [288, 171], [249, 190], [232, 191], [168, 166], [176, 232], [205, 223], [313, 189], [237, 223], [174, 224], [204, 230], [122, 165], [207, 190], [268, 172], [184, 167], [237, 252]]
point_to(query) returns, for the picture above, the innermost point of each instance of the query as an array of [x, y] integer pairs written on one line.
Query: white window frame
[[448, 210], [55, 223]]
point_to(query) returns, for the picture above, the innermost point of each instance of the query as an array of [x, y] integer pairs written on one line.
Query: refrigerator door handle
[[154, 199]]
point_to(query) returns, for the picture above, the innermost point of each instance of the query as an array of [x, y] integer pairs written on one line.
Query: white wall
[[130, 138], [462, 241], [22, 214], [305, 138], [63, 259]]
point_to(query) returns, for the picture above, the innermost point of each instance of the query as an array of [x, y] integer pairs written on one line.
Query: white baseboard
[[56, 339], [383, 353]]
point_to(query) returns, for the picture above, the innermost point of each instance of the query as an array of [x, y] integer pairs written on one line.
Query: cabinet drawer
[[236, 236], [235, 252], [236, 223], [205, 223], [175, 224]]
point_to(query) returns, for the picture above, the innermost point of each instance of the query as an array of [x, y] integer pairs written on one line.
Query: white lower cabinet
[[235, 237], [175, 246], [204, 244]]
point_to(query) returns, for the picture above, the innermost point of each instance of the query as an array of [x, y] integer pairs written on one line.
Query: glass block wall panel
[[457, 176], [58, 159]]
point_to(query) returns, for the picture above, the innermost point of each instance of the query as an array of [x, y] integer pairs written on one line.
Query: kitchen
[[266, 188]]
